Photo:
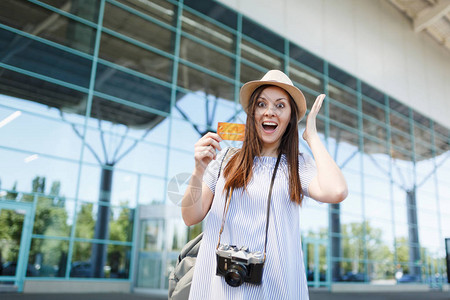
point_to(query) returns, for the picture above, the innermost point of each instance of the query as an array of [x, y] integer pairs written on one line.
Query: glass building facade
[[101, 102]]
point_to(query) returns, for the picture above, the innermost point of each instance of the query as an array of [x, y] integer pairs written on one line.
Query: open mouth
[[269, 126]]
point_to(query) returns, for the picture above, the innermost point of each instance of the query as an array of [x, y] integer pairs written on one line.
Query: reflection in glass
[[344, 116], [305, 57], [48, 257], [195, 81], [52, 214], [263, 35], [11, 225], [116, 265], [136, 27], [161, 10], [151, 242], [131, 88], [206, 57], [305, 78], [249, 73], [208, 31], [260, 56], [133, 57], [52, 26], [84, 9]]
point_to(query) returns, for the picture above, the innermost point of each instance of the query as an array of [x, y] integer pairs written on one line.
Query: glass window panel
[[11, 226], [53, 63], [152, 191], [85, 223], [51, 134], [374, 129], [161, 10], [262, 34], [401, 234], [313, 219], [121, 224], [214, 10], [195, 81], [144, 159], [48, 258], [203, 109], [398, 107], [353, 203], [377, 157], [429, 237], [341, 115], [49, 25], [115, 187], [135, 27], [305, 78], [206, 57], [185, 135], [400, 123], [353, 181], [441, 142], [119, 220], [180, 163], [249, 73], [131, 88], [149, 270], [207, 31], [372, 93], [116, 265], [343, 147], [19, 170], [382, 272], [133, 57], [152, 235], [375, 111], [118, 261], [53, 216], [421, 119], [341, 76], [376, 207], [381, 238], [401, 140], [352, 271], [377, 187], [260, 56], [305, 57], [83, 9], [342, 96], [176, 235], [352, 247]]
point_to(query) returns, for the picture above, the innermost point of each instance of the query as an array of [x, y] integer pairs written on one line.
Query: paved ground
[[314, 295]]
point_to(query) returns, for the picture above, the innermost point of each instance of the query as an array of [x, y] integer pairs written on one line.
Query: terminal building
[[102, 101]]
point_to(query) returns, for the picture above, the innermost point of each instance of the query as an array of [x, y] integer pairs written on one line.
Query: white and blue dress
[[284, 273]]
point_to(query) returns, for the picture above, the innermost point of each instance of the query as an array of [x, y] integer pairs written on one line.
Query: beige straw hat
[[277, 78]]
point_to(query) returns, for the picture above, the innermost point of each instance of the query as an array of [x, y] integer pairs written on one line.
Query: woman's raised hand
[[311, 129], [205, 150]]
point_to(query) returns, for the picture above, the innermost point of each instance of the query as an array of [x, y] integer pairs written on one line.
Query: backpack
[[181, 277]]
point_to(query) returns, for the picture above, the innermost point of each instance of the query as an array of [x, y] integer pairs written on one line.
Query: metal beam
[[430, 15]]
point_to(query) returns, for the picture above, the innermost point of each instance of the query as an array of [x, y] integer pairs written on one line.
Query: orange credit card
[[231, 131]]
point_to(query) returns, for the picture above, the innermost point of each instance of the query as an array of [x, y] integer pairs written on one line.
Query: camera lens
[[235, 275]]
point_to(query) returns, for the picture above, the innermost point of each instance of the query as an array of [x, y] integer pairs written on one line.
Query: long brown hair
[[239, 169]]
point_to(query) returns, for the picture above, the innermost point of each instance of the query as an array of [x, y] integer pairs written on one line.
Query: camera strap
[[228, 200]]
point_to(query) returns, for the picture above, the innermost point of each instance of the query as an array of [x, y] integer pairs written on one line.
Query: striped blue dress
[[284, 273]]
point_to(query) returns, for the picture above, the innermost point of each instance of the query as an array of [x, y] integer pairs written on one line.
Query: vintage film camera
[[239, 265]]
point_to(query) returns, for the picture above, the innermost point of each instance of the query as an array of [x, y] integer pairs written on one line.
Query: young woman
[[274, 106]]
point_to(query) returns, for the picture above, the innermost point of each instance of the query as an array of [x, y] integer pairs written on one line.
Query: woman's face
[[272, 115]]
